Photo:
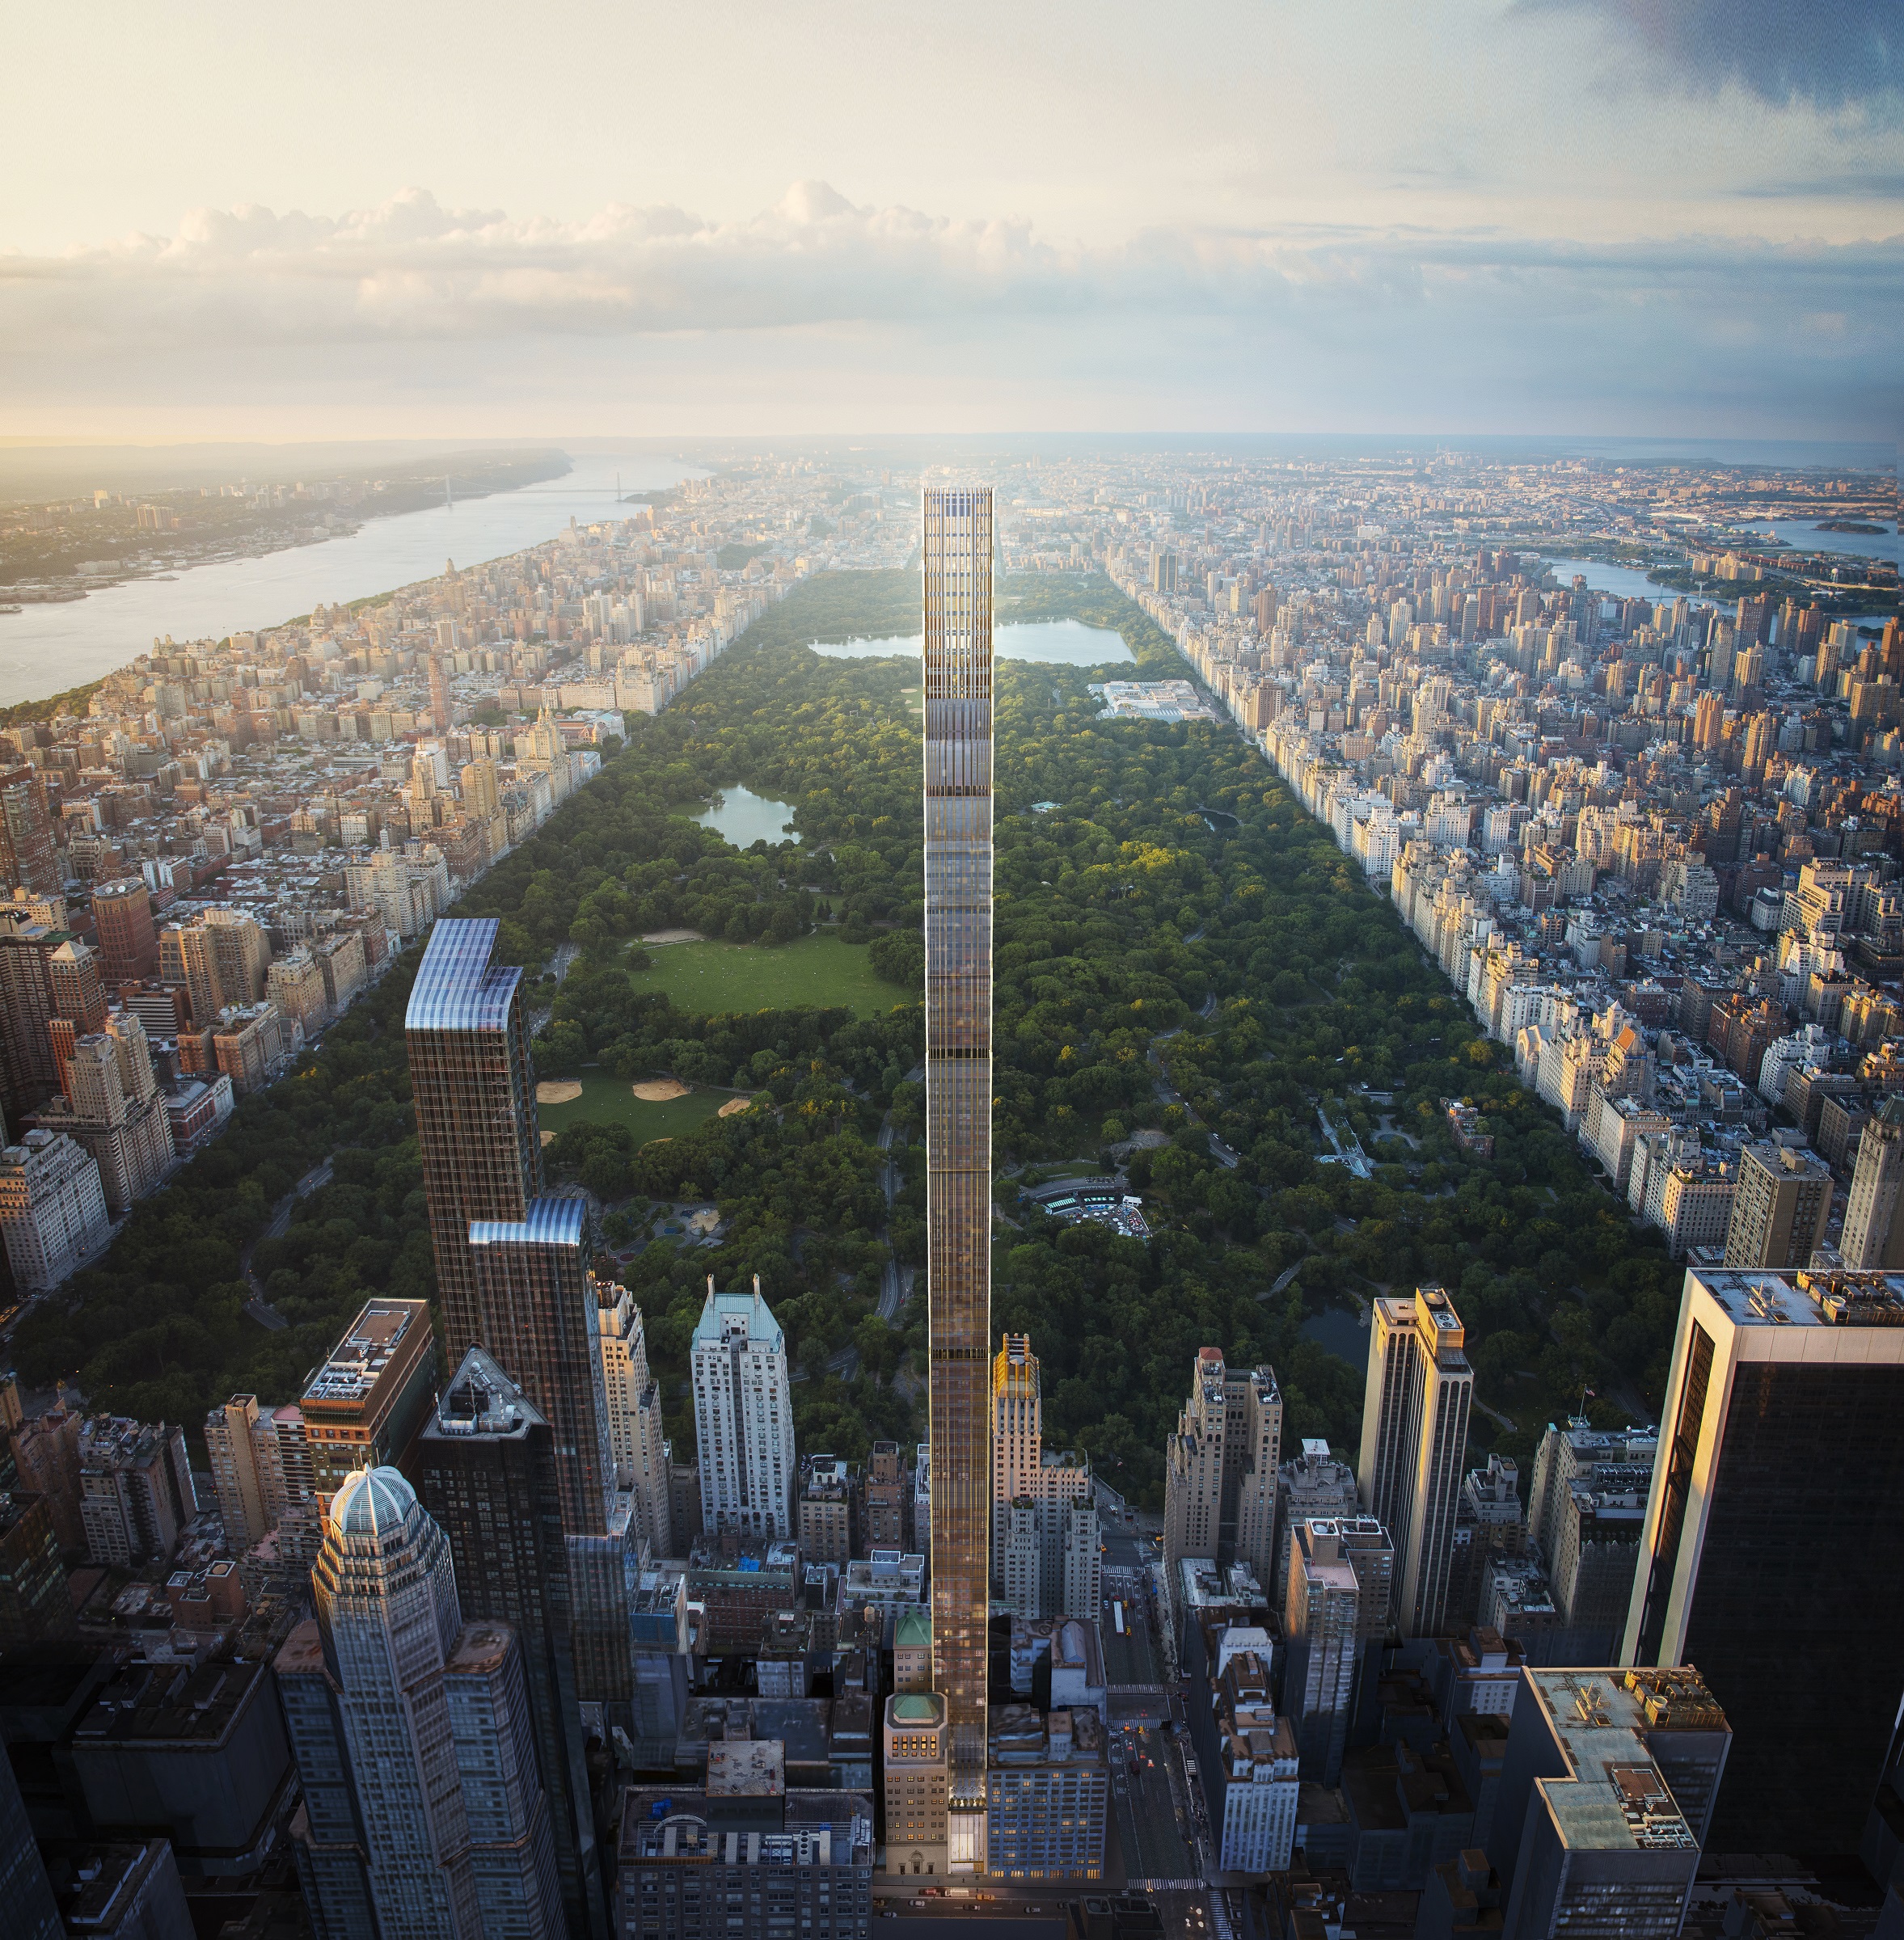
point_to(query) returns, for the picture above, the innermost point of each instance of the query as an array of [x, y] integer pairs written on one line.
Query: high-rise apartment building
[[369, 1394], [1779, 1208], [1044, 1530], [885, 1499], [28, 1071], [540, 1321], [1414, 1442], [1315, 1486], [469, 1077], [1873, 1238], [1584, 1512], [423, 1811], [1747, 1563], [1605, 1794], [826, 1506], [1341, 1582], [129, 940], [1220, 1467], [743, 1416], [484, 1468], [29, 857], [135, 1489], [633, 1400], [957, 553], [261, 1468], [53, 1209]]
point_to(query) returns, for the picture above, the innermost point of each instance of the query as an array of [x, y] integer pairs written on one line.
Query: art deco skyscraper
[[957, 557], [1414, 1446], [1873, 1233], [469, 1077]]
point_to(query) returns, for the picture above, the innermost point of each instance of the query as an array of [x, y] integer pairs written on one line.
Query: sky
[[1679, 218]]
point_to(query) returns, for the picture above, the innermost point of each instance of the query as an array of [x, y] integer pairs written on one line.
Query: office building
[[540, 1319], [53, 1209], [423, 1813], [23, 1888], [1414, 1442], [746, 1857], [1341, 1586], [632, 1398], [194, 1752], [1221, 1469], [370, 1394], [1047, 1793], [743, 1416], [917, 1748], [1605, 1791], [957, 574], [1748, 1567], [1873, 1238], [121, 1890], [484, 1468], [1584, 1512], [128, 942], [469, 1079], [1779, 1208]]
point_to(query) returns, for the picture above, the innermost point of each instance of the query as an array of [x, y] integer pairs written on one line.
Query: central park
[[1183, 956]]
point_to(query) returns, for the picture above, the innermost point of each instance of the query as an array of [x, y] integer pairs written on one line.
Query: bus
[[1117, 1619]]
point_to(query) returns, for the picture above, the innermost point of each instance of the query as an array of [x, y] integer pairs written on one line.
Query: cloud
[[1833, 53], [412, 269], [1440, 327]]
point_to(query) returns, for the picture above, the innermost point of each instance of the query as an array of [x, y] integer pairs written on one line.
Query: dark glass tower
[[1770, 1559], [484, 1468], [957, 552], [475, 1094]]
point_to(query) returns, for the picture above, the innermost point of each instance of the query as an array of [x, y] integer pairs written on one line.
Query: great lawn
[[818, 969]]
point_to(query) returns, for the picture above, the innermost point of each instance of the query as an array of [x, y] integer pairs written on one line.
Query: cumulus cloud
[[412, 269], [1834, 53], [1430, 327]]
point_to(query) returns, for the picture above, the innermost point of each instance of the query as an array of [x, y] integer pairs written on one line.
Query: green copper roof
[[915, 1707], [914, 1628]]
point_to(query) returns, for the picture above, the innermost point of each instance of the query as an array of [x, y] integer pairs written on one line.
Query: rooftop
[[361, 1360], [457, 989], [1615, 1798], [1808, 1299]]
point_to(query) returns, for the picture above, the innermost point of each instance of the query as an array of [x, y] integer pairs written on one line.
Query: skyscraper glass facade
[[957, 553]]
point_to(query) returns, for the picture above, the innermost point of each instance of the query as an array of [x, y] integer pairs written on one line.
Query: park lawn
[[610, 1101], [817, 969]]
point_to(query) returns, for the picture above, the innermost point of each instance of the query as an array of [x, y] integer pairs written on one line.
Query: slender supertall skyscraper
[[957, 555], [469, 1077]]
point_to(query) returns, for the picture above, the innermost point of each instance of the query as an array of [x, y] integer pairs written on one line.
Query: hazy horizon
[[1489, 217]]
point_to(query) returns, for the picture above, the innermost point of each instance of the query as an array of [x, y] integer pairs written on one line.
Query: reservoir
[[46, 649], [1621, 581], [1054, 643], [741, 817]]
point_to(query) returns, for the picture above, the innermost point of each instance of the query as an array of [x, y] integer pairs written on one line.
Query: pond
[[1055, 642], [1340, 1330], [743, 818]]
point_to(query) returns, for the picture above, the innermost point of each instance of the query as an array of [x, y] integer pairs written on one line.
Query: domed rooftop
[[372, 1501]]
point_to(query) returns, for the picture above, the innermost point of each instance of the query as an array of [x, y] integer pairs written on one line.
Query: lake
[[1339, 1331], [46, 649], [743, 818], [1059, 642], [1621, 581]]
